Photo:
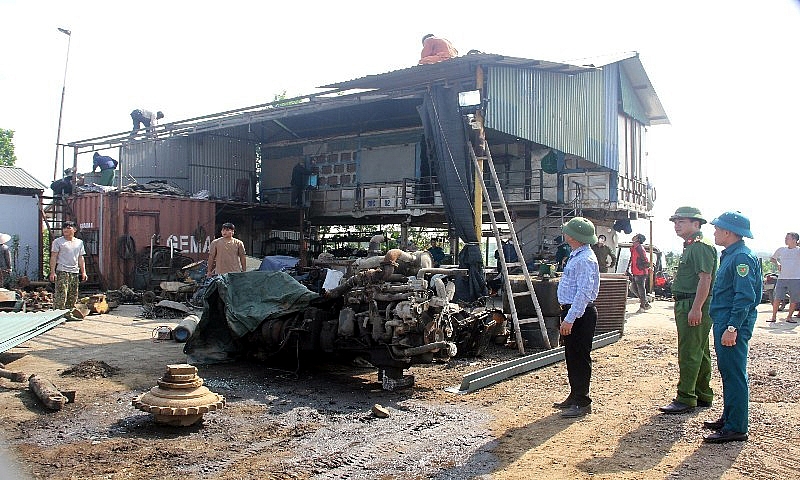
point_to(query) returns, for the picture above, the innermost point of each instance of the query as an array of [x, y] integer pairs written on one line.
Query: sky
[[726, 73]]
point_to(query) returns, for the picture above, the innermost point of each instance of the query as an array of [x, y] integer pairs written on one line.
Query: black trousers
[[577, 351]]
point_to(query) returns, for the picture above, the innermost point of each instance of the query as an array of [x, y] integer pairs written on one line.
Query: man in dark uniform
[[736, 294], [299, 181], [437, 254], [577, 292], [691, 289], [602, 252]]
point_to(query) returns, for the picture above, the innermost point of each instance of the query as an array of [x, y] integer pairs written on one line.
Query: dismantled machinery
[[179, 399], [399, 314]]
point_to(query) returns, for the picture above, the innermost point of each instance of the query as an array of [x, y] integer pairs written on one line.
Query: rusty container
[[118, 229]]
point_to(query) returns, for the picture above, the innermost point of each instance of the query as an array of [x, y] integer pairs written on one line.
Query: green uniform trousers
[[107, 177], [694, 355]]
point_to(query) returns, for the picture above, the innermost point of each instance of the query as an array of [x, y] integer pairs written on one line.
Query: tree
[[7, 157]]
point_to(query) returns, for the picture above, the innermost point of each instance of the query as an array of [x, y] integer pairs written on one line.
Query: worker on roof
[[107, 166], [146, 118], [435, 49]]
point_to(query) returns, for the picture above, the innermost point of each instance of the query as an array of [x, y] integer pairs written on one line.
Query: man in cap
[[67, 268], [5, 260], [691, 288], [736, 294], [788, 261], [577, 292], [603, 253], [226, 254], [146, 118]]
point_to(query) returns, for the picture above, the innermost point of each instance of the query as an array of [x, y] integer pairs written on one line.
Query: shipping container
[[119, 229]]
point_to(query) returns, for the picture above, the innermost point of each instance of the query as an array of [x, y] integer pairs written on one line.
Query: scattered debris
[[91, 369], [380, 411], [180, 399], [49, 394], [161, 333], [18, 377]]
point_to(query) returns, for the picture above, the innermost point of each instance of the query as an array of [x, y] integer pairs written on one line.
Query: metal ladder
[[504, 266]]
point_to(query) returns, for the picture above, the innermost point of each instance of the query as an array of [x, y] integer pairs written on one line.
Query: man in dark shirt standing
[[299, 175]]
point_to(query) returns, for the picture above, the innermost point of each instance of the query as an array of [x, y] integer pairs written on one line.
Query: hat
[[640, 236], [688, 212], [4, 238], [581, 229], [228, 225], [734, 222]]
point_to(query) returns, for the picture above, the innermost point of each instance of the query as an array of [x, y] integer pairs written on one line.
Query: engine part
[[179, 399]]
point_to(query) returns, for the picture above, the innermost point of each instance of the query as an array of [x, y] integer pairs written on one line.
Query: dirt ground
[[316, 422]]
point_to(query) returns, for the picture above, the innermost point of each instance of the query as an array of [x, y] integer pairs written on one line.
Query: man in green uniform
[[736, 294], [691, 288]]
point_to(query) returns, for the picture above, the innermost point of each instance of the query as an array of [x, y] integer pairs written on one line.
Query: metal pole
[[63, 90]]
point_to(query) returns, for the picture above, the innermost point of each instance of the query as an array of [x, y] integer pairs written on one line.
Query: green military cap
[[688, 212], [581, 229]]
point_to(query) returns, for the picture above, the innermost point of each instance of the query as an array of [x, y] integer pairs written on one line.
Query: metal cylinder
[[185, 328]]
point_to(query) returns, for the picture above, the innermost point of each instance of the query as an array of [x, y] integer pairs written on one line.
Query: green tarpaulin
[[235, 304]]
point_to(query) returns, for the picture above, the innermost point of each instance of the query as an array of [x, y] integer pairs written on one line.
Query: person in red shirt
[[436, 49], [640, 270]]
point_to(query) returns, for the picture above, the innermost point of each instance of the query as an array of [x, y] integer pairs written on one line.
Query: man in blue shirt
[[737, 293], [107, 166], [577, 291]]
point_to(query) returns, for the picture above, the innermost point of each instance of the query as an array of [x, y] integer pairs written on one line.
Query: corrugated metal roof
[[16, 328], [19, 178], [463, 66]]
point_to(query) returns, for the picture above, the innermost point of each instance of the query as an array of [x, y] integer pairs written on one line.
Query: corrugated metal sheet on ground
[[18, 327]]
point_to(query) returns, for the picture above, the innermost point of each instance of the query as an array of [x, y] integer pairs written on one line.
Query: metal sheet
[[16, 328], [611, 301], [18, 178], [560, 111], [487, 376]]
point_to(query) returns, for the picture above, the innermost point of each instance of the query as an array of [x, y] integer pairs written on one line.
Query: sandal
[[791, 320], [770, 320]]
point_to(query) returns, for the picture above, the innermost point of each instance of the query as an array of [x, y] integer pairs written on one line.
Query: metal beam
[[487, 376]]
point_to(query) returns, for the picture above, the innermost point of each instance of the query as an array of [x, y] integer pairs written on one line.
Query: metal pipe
[[427, 348], [459, 272], [63, 91]]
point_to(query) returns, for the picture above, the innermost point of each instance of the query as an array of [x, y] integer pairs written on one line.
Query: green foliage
[[279, 99], [7, 157]]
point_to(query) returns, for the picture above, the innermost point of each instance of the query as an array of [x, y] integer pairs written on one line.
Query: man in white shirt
[[788, 261], [67, 268]]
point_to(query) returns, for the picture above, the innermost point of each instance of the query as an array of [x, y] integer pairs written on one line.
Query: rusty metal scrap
[[48, 393], [18, 377]]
